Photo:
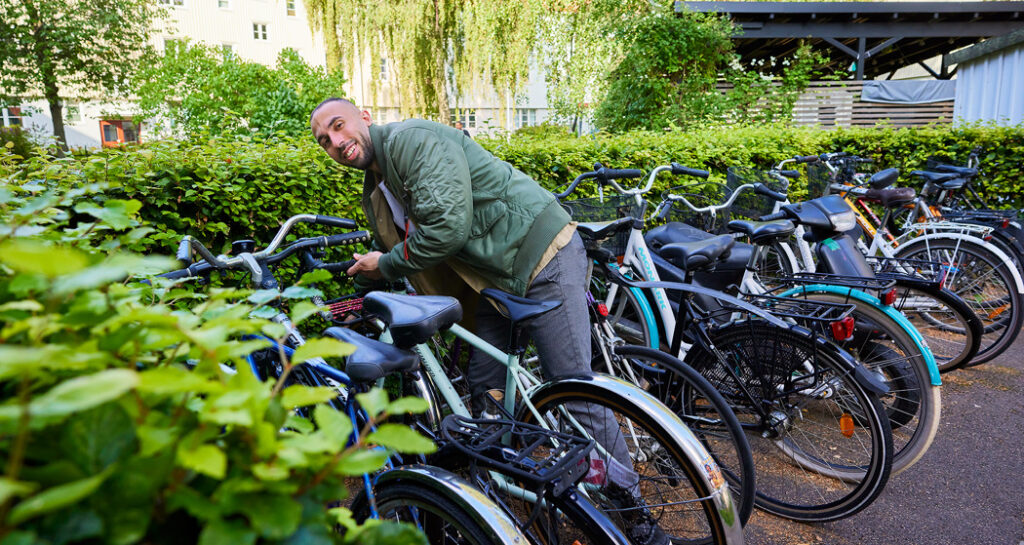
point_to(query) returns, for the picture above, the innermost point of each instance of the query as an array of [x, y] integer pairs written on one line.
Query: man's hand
[[366, 265]]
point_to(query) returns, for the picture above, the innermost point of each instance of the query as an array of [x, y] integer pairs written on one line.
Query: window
[[228, 50], [290, 8], [224, 4], [526, 117], [10, 117], [177, 3], [259, 31], [465, 115], [383, 69], [173, 45], [118, 131]]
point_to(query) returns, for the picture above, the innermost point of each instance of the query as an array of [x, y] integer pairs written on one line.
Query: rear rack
[[856, 282], [900, 268], [536, 456], [807, 310]]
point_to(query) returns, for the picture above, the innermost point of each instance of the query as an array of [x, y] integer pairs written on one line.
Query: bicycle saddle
[[892, 197], [413, 319], [372, 359], [945, 180], [691, 256], [883, 178], [823, 216], [603, 229], [516, 308], [762, 232], [959, 171], [674, 232]]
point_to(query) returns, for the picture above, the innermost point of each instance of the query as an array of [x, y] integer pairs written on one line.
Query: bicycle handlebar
[[678, 169], [762, 189]]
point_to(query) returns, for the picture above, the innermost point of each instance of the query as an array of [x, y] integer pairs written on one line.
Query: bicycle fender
[[459, 491], [897, 316], [606, 387], [1001, 255]]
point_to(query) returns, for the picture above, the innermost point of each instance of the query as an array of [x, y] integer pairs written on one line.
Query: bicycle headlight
[[843, 221]]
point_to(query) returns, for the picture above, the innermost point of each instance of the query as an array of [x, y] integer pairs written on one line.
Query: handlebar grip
[[678, 169], [339, 267], [192, 270], [762, 189], [331, 221], [663, 210], [790, 173], [184, 253], [617, 173], [835, 155], [863, 159], [780, 215], [344, 239], [806, 158]]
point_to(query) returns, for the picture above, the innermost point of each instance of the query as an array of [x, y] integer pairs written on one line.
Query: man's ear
[[365, 115]]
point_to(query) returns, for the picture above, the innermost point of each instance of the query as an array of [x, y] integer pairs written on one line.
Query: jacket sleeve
[[434, 173]]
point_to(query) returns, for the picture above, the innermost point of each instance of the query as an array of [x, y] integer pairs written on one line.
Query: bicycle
[[447, 508], [743, 358]]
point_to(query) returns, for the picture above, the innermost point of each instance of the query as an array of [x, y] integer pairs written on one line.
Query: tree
[[197, 89], [64, 48]]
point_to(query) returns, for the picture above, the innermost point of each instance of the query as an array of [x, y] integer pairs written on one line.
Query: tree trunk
[[47, 71], [440, 52], [57, 115]]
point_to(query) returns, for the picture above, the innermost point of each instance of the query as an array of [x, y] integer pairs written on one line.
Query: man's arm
[[435, 173]]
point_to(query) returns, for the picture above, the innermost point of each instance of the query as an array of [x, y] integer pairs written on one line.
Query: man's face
[[458, 124], [343, 131]]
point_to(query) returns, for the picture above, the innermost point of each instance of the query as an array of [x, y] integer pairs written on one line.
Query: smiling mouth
[[350, 151]]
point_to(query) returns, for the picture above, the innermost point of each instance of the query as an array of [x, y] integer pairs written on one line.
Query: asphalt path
[[968, 489]]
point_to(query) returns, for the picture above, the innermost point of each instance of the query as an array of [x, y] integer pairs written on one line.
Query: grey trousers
[[562, 339]]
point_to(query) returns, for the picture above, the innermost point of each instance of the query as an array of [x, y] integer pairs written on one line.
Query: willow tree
[[322, 16]]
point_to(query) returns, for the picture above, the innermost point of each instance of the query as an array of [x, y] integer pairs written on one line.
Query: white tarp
[[992, 88], [909, 91]]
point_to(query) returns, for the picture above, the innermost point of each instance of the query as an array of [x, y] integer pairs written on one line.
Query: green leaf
[[360, 462], [31, 256], [99, 437], [10, 489], [373, 402], [273, 516], [323, 347], [114, 212], [173, 380], [303, 310], [78, 394], [227, 532], [263, 296], [402, 439], [299, 395], [312, 277], [206, 459], [55, 498], [270, 472], [333, 424], [408, 405], [392, 533], [300, 292]]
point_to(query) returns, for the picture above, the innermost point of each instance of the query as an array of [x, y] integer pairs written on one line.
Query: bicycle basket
[[611, 208], [818, 179], [750, 205]]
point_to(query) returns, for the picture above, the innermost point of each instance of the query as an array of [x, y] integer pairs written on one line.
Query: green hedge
[[221, 190]]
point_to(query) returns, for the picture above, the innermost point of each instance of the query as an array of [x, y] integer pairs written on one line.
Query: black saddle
[[967, 172], [892, 197], [372, 359], [692, 256], [762, 232], [884, 178], [945, 180], [604, 229], [518, 309], [674, 232], [412, 319]]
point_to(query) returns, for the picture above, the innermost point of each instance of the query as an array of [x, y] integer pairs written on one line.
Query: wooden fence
[[838, 104]]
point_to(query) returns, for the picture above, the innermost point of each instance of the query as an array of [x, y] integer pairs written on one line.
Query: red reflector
[[987, 237], [602, 309], [1006, 223], [889, 297], [842, 330]]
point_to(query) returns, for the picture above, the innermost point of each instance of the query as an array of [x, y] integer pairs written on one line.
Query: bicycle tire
[[792, 390], [686, 505], [913, 403], [946, 322], [984, 282], [703, 409], [441, 520]]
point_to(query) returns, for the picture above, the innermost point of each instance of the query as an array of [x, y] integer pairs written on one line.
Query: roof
[[992, 45], [885, 36]]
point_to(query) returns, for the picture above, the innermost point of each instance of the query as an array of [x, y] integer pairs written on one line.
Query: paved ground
[[968, 489]]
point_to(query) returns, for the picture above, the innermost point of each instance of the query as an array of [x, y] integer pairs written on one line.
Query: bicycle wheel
[[913, 403], [675, 485], [984, 281], [441, 520], [630, 316], [821, 443], [700, 406], [947, 323]]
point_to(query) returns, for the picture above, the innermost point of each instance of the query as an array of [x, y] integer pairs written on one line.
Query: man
[[438, 202], [458, 125]]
